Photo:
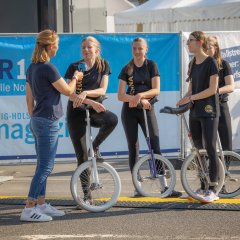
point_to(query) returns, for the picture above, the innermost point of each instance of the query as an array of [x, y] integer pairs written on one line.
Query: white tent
[[180, 15]]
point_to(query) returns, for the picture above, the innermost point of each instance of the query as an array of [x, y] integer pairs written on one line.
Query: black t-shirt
[[140, 79], [200, 78], [91, 78], [40, 77], [223, 72]]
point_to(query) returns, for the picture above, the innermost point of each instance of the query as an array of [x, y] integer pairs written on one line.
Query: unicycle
[[95, 186], [153, 175]]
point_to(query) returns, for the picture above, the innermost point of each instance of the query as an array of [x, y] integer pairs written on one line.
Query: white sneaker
[[209, 197], [50, 210], [34, 215]]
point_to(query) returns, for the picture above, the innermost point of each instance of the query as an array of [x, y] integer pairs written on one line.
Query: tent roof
[[206, 9], [153, 10], [179, 10]]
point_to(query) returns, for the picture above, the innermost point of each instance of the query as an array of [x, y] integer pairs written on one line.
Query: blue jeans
[[45, 133]]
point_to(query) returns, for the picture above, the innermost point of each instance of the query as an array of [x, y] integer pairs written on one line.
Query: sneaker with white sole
[[50, 210], [210, 196], [199, 192], [34, 215]]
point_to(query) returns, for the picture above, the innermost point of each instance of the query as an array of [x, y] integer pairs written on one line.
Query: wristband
[[75, 77]]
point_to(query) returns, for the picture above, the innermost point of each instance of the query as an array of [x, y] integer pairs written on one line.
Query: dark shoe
[[97, 155], [174, 193], [223, 190], [87, 200]]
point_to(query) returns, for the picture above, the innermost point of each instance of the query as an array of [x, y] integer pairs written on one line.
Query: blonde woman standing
[[142, 79], [226, 86], [43, 95]]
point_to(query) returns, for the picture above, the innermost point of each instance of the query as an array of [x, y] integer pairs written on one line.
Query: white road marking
[[113, 236], [103, 236]]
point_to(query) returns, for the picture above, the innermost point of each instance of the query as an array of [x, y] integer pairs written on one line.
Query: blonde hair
[[44, 38], [99, 61], [131, 63], [212, 40], [201, 36]]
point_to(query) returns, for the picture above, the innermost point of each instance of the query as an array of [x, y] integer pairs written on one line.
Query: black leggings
[[131, 117], [76, 119], [204, 135], [225, 127]]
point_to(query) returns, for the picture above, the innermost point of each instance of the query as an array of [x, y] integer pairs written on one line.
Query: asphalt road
[[116, 223], [123, 223]]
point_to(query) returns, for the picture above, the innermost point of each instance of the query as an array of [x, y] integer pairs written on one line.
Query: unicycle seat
[[177, 111]]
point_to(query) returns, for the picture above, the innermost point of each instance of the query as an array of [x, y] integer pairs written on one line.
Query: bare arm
[[154, 91], [64, 88], [99, 91], [134, 100], [29, 99], [122, 95], [81, 98], [211, 90], [229, 85], [186, 97]]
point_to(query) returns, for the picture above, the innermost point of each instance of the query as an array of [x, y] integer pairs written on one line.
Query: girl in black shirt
[[226, 85], [94, 84], [142, 77], [204, 115]]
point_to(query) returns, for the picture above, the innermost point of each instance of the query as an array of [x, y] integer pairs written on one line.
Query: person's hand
[[183, 101], [77, 102], [98, 107], [72, 97], [134, 101], [78, 75], [146, 104]]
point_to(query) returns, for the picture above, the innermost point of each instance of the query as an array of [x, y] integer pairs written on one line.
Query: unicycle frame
[[91, 155], [151, 161]]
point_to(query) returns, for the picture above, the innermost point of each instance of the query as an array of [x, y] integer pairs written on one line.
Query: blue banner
[[16, 55], [16, 51]]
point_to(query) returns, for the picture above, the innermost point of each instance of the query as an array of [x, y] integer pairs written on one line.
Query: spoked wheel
[[192, 176], [149, 185], [95, 196], [231, 187]]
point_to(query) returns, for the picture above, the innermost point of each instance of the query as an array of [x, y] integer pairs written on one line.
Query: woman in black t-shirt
[[226, 85], [94, 84], [204, 115], [142, 77]]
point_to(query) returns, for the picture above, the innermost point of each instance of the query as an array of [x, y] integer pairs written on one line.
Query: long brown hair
[[212, 40], [99, 61], [131, 63], [44, 38]]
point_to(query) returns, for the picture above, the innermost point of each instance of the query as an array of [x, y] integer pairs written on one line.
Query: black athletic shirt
[[200, 78], [140, 80], [223, 72], [40, 77], [91, 78]]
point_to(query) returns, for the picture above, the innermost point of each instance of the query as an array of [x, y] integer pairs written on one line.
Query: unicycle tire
[[92, 196], [149, 186], [231, 187], [191, 175]]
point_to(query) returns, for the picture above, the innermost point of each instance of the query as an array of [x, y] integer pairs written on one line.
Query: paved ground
[[126, 222]]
